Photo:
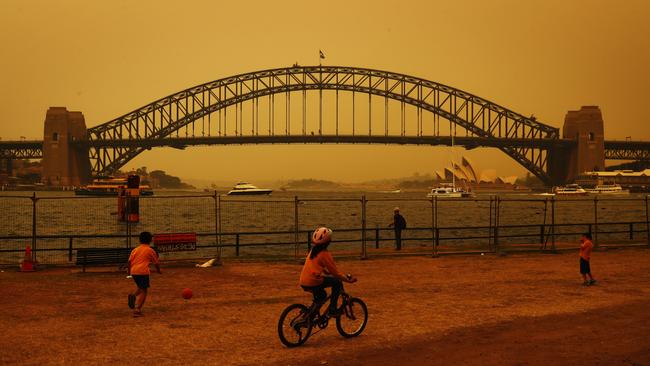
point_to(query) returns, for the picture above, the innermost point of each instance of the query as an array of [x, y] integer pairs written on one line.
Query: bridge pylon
[[65, 162], [586, 127]]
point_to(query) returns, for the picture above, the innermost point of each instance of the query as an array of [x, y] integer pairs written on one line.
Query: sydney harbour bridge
[[324, 105]]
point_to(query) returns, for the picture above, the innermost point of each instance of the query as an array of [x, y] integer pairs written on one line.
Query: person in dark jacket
[[399, 224]]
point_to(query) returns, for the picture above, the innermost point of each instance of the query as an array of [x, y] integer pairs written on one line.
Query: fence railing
[[55, 227]]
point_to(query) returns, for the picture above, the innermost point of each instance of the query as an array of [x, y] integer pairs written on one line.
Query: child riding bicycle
[[320, 272]]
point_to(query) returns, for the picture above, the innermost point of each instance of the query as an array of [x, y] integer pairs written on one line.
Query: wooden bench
[[103, 256]]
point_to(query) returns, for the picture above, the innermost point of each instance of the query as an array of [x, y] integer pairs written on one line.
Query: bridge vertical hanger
[[304, 103], [320, 101], [257, 111], [270, 111], [386, 107], [369, 106], [354, 84], [402, 111], [288, 101], [238, 109], [337, 104]]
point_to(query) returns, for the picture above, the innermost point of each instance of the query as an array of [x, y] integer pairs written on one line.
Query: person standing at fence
[[139, 260], [398, 224], [586, 246]]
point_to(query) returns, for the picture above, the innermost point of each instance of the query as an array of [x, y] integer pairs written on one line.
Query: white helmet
[[322, 235]]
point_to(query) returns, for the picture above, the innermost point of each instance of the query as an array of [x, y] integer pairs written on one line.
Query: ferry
[[109, 187], [608, 189], [449, 191], [570, 190], [243, 188]]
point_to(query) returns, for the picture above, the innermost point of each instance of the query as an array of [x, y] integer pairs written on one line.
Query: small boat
[[570, 190], [449, 191], [109, 187], [607, 189], [243, 188]]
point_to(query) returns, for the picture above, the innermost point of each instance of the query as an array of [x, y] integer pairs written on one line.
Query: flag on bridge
[[321, 54]]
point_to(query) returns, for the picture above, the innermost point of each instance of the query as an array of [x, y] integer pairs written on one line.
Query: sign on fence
[[174, 242]]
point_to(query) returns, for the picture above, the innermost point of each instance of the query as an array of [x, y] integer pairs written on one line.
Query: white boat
[[607, 189], [570, 190], [243, 188], [449, 191]]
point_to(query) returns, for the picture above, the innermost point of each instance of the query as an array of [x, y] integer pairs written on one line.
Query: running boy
[[139, 261], [320, 272], [586, 247]]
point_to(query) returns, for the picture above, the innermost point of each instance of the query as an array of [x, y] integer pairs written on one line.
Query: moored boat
[[109, 187], [449, 191], [243, 188], [570, 190], [608, 189]]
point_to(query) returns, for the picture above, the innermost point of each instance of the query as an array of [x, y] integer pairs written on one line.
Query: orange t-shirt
[[312, 271], [585, 249], [140, 259]]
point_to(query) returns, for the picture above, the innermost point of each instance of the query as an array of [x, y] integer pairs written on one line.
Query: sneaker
[[592, 282], [131, 301], [586, 283]]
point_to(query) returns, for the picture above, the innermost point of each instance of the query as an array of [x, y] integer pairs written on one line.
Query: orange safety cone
[[27, 265]]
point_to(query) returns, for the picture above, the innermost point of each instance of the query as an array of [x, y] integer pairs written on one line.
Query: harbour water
[[92, 221]]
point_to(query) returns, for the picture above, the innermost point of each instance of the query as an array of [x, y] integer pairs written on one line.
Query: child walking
[[139, 260], [586, 247]]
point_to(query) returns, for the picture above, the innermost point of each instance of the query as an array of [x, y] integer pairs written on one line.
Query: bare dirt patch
[[476, 310]]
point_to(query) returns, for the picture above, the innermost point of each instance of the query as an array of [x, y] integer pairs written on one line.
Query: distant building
[[635, 181]]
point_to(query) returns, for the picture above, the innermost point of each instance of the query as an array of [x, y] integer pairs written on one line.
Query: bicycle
[[297, 320]]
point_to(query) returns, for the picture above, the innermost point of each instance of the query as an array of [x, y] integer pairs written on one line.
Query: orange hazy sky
[[106, 58]]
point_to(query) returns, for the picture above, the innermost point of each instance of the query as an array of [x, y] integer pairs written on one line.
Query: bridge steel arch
[[478, 117]]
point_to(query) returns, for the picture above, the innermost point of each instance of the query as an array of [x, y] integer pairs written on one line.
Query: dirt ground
[[527, 309]]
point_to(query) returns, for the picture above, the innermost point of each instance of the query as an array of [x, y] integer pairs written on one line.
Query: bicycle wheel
[[353, 318], [294, 326]]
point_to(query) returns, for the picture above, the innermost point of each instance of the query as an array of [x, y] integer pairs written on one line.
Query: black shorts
[[584, 266], [142, 281]]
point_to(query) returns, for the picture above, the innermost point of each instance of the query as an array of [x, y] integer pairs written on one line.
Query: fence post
[[364, 253], [647, 221], [490, 226], [237, 245], [435, 223], [70, 249], [541, 236], [595, 221], [308, 241], [497, 208], [296, 244], [34, 199], [127, 221], [217, 237], [433, 228], [377, 237], [553, 223]]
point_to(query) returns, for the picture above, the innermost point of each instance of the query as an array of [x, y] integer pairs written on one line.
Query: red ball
[[187, 293]]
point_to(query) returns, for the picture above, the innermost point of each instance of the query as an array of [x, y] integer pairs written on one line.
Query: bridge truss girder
[[475, 116], [21, 150], [627, 150]]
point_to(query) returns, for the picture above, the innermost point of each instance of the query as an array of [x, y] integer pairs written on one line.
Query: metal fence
[[269, 227]]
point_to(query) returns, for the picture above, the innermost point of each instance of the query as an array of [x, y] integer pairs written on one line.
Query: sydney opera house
[[465, 175]]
